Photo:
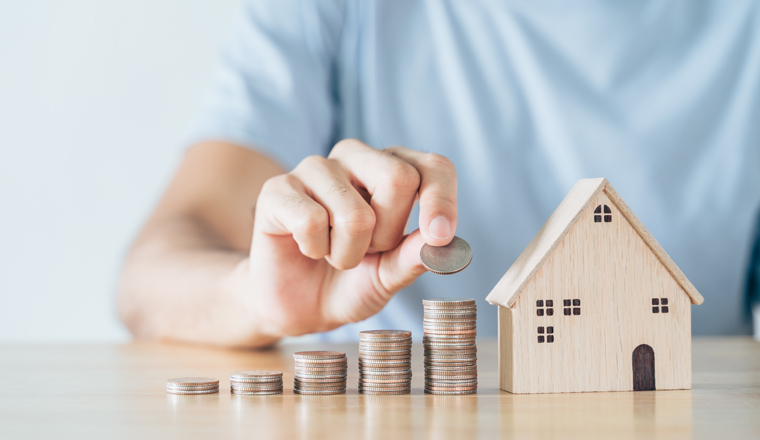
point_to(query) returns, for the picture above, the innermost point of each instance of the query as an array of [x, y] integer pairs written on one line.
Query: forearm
[[181, 282]]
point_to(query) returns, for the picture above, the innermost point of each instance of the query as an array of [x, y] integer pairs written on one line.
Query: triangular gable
[[511, 285]]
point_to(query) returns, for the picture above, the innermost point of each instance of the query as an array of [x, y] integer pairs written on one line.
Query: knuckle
[[403, 175], [344, 146], [275, 187], [311, 162], [438, 162], [314, 223], [340, 187], [357, 221]]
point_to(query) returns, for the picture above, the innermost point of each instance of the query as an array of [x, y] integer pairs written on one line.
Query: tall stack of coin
[[450, 351], [192, 385], [385, 362], [256, 382], [320, 372]]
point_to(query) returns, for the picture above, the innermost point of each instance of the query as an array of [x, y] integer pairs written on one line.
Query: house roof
[[512, 284]]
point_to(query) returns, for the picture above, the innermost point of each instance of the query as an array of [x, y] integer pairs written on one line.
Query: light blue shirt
[[525, 97]]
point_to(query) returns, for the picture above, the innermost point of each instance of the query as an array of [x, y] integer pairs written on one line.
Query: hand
[[328, 239]]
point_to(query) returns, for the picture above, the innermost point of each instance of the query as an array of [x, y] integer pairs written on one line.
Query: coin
[[193, 381], [319, 355], [255, 375], [320, 392], [385, 393], [257, 393], [385, 334], [449, 259], [211, 391], [190, 388]]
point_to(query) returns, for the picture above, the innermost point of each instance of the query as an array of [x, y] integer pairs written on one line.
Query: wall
[[94, 100]]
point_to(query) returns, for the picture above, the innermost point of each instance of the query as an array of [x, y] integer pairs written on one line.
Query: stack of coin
[[450, 351], [256, 382], [192, 385], [320, 372], [385, 362]]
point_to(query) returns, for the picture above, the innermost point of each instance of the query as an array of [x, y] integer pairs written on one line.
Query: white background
[[95, 98]]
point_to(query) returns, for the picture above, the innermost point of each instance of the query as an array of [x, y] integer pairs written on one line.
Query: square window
[[540, 312], [550, 338], [539, 303], [576, 311], [549, 329], [540, 329], [664, 301], [607, 218], [566, 302], [576, 302], [597, 219], [567, 312], [655, 310], [549, 303], [540, 339], [664, 309], [549, 312], [655, 302]]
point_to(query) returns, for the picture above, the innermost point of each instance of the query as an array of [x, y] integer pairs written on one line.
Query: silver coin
[[211, 391], [384, 393], [449, 259], [319, 393], [192, 381], [255, 393]]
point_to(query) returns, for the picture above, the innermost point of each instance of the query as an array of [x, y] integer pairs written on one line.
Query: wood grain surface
[[118, 391]]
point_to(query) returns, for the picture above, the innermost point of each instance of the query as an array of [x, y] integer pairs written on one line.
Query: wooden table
[[117, 391]]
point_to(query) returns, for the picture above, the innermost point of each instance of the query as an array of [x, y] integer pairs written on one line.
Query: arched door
[[643, 368]]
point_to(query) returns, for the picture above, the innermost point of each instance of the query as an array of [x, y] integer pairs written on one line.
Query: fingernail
[[439, 227]]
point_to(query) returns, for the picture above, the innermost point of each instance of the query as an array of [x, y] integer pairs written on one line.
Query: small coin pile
[[192, 385], [449, 341], [385, 362], [256, 382], [320, 372]]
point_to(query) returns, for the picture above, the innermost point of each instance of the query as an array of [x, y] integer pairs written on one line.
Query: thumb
[[399, 267]]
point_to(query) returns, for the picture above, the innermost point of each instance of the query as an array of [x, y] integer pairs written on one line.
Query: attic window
[[540, 310], [607, 216], [662, 303]]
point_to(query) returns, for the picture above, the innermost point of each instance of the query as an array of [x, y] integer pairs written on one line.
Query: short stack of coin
[[451, 354], [256, 382], [385, 362], [192, 385], [320, 372]]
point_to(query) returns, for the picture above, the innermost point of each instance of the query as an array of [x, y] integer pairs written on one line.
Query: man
[[499, 106]]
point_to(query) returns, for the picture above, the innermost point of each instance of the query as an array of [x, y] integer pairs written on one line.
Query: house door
[[643, 368]]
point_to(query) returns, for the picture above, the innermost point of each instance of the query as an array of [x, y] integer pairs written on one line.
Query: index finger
[[438, 194]]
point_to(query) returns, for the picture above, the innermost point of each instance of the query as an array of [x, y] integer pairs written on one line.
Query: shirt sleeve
[[274, 88]]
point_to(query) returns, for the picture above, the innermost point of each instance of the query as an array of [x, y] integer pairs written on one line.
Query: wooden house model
[[594, 304]]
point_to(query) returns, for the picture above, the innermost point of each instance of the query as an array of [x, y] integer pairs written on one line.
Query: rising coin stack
[[320, 372], [385, 362], [192, 385], [450, 351], [256, 382]]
